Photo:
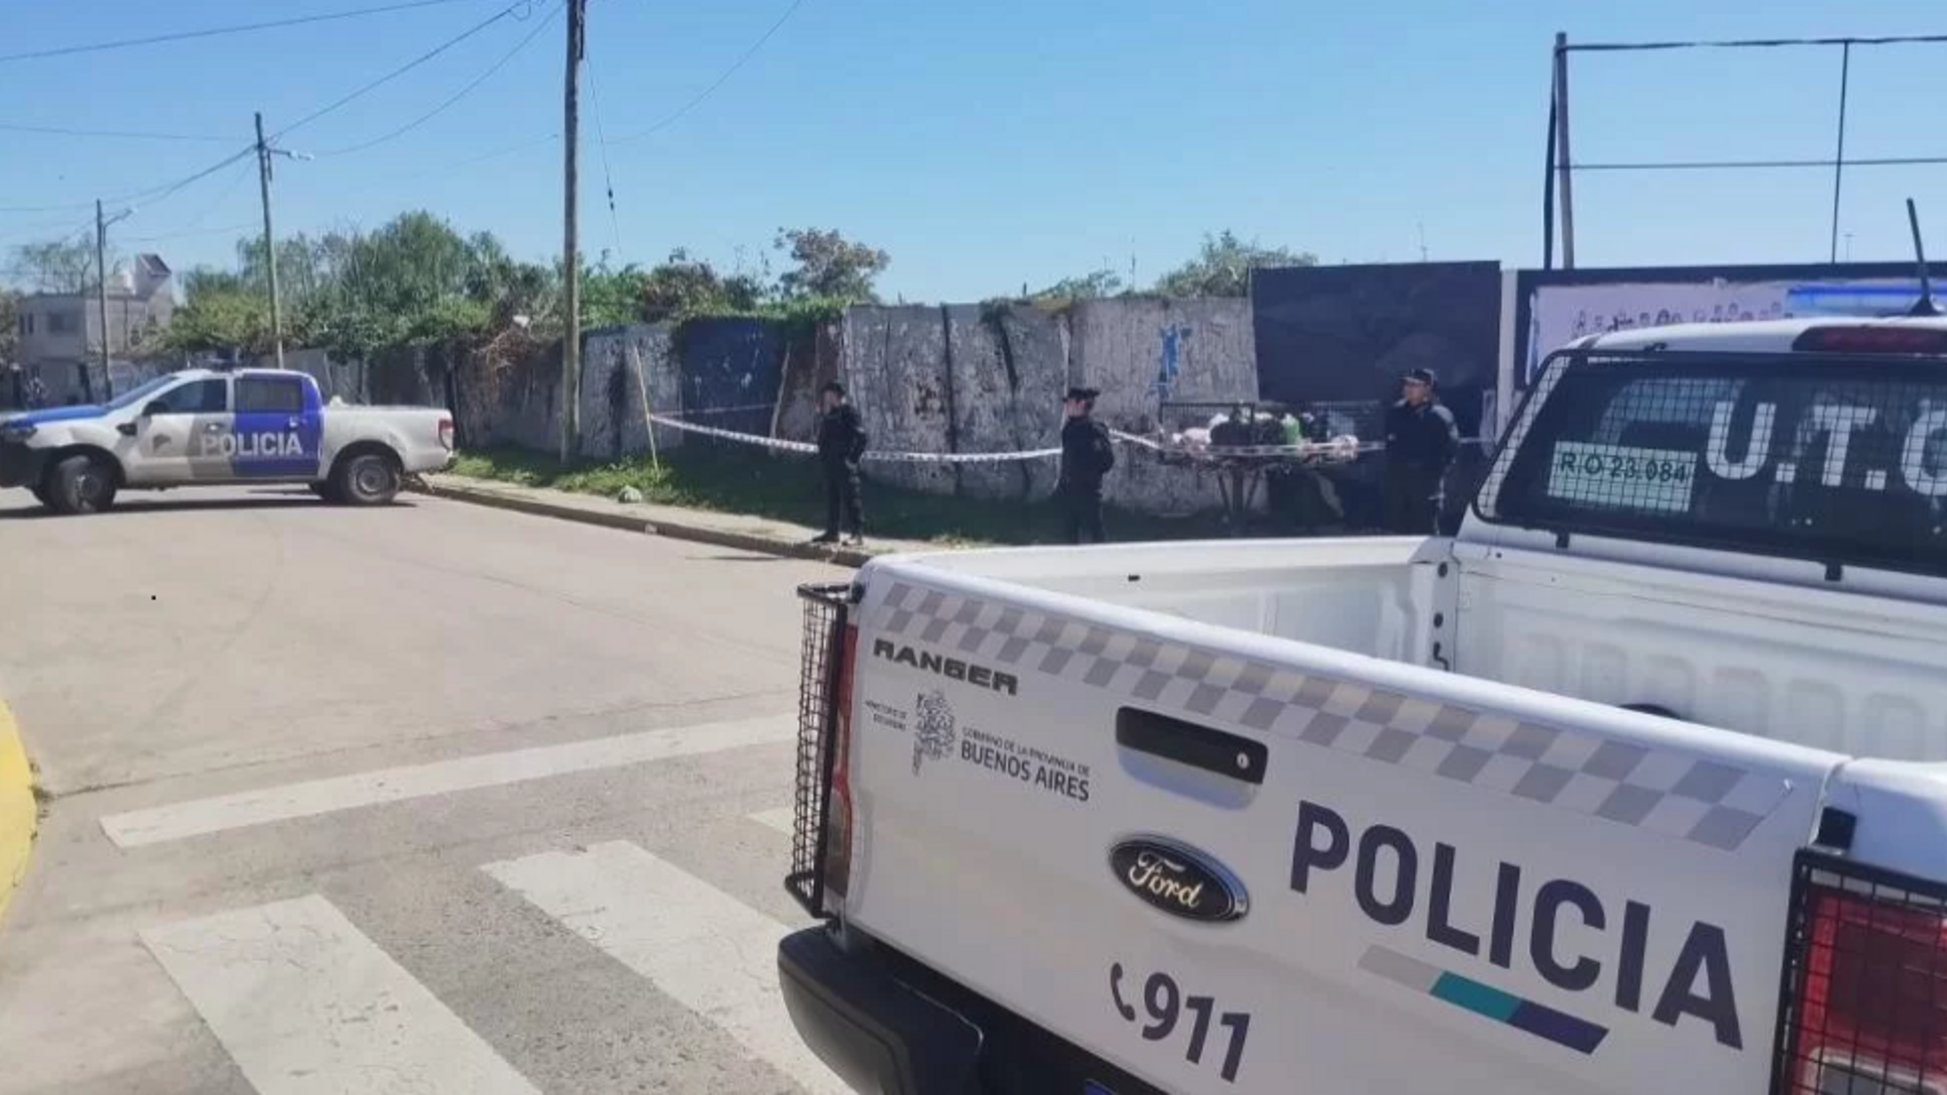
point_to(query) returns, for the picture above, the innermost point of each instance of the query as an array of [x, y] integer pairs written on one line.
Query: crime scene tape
[[781, 445], [1311, 449]]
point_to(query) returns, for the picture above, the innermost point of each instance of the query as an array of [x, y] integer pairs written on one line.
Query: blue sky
[[995, 144]]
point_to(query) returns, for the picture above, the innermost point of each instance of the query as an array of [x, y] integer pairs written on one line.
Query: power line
[[212, 32], [43, 232], [408, 66], [540, 26], [191, 232], [163, 193], [157, 193], [194, 227], [608, 176], [672, 118], [121, 134]]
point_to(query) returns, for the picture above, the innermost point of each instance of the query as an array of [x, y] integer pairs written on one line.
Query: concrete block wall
[[989, 378], [618, 364], [808, 365], [927, 379], [731, 370], [1142, 352], [895, 366], [1007, 365]]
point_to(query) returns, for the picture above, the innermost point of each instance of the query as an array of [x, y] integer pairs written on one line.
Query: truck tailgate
[[1229, 862]]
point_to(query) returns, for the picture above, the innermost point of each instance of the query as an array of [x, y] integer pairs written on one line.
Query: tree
[[610, 296], [1223, 267], [221, 311], [304, 267], [56, 266], [828, 266], [1091, 286], [679, 286], [9, 327]]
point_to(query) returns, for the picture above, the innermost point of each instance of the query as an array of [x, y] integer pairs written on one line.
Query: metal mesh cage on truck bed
[[827, 608], [1864, 997]]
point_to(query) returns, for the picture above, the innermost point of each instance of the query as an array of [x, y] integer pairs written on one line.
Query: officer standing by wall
[[1421, 442], [841, 445], [1087, 454]]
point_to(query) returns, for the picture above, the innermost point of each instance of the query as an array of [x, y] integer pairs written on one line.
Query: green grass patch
[[790, 489]]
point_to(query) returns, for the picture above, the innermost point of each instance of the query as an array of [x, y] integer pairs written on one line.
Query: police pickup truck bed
[[1638, 784], [207, 428]]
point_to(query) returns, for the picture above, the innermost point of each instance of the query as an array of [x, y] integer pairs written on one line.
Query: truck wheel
[[368, 479], [42, 496], [80, 484], [327, 491]]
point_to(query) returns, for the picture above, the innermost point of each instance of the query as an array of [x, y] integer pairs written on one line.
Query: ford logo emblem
[[1170, 876]]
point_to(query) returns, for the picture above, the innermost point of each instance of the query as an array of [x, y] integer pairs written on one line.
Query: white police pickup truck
[[206, 427], [1636, 785]]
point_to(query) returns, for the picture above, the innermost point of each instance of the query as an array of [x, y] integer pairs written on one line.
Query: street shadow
[[742, 559], [136, 507]]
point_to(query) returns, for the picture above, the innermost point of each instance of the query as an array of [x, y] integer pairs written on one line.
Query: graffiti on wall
[[1172, 338]]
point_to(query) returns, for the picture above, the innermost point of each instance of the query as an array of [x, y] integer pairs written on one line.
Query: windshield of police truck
[[134, 396], [1838, 459]]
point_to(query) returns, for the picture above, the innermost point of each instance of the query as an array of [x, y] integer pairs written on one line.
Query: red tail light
[[1872, 340], [446, 434], [838, 825], [1870, 1013]]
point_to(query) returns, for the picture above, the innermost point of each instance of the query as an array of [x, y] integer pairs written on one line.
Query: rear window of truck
[[1836, 458]]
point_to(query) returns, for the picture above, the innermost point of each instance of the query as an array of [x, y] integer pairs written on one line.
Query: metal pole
[[1839, 160], [101, 297], [1548, 188], [270, 244], [570, 248], [1565, 164]]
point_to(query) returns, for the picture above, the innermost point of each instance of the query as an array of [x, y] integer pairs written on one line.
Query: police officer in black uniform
[[1087, 454], [841, 445], [1421, 442]]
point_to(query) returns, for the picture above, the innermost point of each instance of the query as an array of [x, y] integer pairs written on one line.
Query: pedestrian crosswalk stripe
[[307, 1005], [783, 819], [698, 945], [323, 796]]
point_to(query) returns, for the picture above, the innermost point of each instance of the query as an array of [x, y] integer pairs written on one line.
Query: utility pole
[[570, 223], [270, 243], [101, 298], [101, 303]]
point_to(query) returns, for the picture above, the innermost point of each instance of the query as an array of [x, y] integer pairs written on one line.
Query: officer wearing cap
[[841, 445], [1086, 456], [1421, 441]]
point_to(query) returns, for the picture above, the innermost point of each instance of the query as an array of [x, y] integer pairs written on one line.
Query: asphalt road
[[427, 798]]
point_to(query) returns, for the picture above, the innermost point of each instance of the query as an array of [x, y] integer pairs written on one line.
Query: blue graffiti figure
[[1170, 366]]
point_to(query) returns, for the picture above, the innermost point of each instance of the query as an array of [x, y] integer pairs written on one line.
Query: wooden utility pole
[[101, 299], [570, 224], [270, 244]]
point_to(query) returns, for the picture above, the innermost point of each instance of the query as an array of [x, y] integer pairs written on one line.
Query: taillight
[[838, 823], [1866, 1011], [446, 434], [1866, 339]]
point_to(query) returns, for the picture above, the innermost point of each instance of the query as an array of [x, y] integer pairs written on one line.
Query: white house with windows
[[58, 332]]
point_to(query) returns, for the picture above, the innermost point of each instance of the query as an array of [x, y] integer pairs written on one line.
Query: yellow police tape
[[17, 808]]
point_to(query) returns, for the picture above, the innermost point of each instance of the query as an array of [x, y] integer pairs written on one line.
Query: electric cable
[[722, 79], [213, 32]]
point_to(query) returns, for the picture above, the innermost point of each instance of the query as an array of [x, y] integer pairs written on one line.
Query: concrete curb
[[625, 522], [19, 813]]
